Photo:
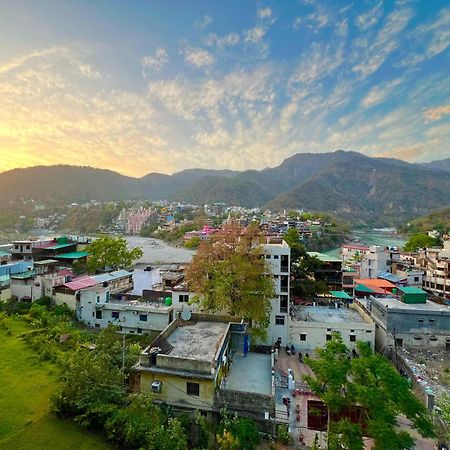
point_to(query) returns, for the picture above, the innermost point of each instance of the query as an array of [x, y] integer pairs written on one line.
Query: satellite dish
[[186, 314]]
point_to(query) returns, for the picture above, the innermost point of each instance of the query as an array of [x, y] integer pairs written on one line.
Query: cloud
[[87, 70], [320, 19], [437, 113], [264, 13], [221, 42], [378, 94], [197, 57], [203, 22], [386, 42], [155, 62], [296, 24], [21, 60], [254, 35], [370, 18]]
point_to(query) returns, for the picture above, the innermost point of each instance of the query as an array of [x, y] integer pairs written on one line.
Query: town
[[203, 359]]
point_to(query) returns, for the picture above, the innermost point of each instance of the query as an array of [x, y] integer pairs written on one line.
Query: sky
[[162, 86]]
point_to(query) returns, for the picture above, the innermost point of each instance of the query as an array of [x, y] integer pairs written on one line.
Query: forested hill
[[347, 184]]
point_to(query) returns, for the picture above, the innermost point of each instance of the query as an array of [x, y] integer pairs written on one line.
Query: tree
[[372, 384], [303, 266], [237, 432], [420, 240], [110, 252], [231, 276], [193, 242]]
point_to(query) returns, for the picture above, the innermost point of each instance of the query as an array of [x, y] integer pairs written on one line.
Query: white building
[[436, 264], [278, 255], [378, 259], [313, 326], [97, 309]]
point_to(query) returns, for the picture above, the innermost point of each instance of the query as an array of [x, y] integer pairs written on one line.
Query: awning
[[340, 294]]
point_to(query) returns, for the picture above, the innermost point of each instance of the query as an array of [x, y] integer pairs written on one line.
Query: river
[[373, 237]]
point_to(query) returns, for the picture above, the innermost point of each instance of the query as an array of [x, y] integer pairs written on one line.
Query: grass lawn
[[25, 388]]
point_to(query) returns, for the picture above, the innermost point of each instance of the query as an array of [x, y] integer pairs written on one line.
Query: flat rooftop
[[251, 373], [197, 340], [329, 315], [393, 303]]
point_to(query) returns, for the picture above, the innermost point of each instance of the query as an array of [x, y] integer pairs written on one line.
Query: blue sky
[[160, 86]]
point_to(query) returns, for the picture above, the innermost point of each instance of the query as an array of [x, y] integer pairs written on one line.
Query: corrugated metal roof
[[391, 277], [340, 294], [412, 290], [112, 276], [24, 275], [72, 255], [80, 283], [58, 246], [376, 282]]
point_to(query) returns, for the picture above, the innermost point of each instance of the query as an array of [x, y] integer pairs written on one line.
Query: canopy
[[362, 288], [340, 294]]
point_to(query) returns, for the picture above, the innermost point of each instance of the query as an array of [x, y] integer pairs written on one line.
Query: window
[[98, 298], [267, 256], [433, 338], [329, 337], [416, 278], [275, 257], [420, 320], [28, 247], [283, 304], [303, 337], [98, 314], [16, 247], [352, 338], [417, 338], [193, 388], [183, 298], [368, 331], [431, 321], [328, 329], [352, 331], [143, 317], [279, 320], [115, 314], [139, 330], [107, 296], [97, 325]]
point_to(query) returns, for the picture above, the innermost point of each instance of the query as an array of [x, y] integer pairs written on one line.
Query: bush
[[283, 435]]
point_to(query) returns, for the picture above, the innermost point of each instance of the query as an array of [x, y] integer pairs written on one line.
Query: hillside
[[442, 164], [437, 220], [347, 184]]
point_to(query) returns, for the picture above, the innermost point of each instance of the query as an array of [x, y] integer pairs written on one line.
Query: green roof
[[340, 294], [412, 290], [323, 257], [58, 246], [3, 254], [23, 275], [362, 288], [72, 255]]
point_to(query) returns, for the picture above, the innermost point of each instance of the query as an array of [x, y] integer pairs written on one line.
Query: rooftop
[[377, 282], [251, 373], [72, 255], [393, 303], [329, 315], [197, 340], [58, 246], [45, 262], [412, 290], [324, 258]]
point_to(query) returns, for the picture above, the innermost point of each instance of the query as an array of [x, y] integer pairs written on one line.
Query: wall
[[173, 390], [65, 299], [239, 401]]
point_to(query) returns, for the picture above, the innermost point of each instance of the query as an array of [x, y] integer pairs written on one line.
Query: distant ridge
[[348, 184]]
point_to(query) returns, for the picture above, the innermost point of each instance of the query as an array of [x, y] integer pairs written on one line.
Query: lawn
[[25, 388]]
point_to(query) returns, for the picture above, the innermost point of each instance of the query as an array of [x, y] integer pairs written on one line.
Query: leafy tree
[[108, 251], [420, 240], [193, 242], [303, 266], [237, 432], [230, 274], [374, 385]]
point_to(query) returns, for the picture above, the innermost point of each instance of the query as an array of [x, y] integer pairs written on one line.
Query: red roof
[[80, 283], [356, 247], [375, 282], [65, 272]]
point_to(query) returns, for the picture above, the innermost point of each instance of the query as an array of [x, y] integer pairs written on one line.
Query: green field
[[25, 388]]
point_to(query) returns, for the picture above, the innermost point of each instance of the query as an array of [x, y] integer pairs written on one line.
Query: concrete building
[[313, 326], [278, 255], [330, 271], [411, 325], [97, 308], [436, 264], [203, 364]]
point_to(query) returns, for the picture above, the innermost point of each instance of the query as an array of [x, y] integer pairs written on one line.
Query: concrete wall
[[240, 402], [174, 390], [183, 364], [69, 300], [316, 334]]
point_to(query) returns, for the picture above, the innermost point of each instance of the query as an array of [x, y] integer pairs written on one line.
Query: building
[[436, 264], [410, 321], [278, 256], [67, 292], [312, 326], [330, 271], [202, 363], [97, 308]]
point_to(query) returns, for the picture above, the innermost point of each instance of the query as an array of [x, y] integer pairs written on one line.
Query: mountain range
[[348, 184]]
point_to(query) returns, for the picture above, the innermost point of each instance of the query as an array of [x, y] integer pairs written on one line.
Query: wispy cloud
[[197, 57], [264, 13], [296, 24], [221, 42], [203, 22], [370, 18], [437, 113], [154, 62], [378, 94]]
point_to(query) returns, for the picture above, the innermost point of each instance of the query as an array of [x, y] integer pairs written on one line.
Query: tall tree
[[420, 240], [111, 252], [371, 383], [231, 276]]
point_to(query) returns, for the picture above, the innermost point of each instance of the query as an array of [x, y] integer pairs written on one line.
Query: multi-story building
[[278, 256], [330, 271], [203, 363], [97, 308], [436, 264]]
